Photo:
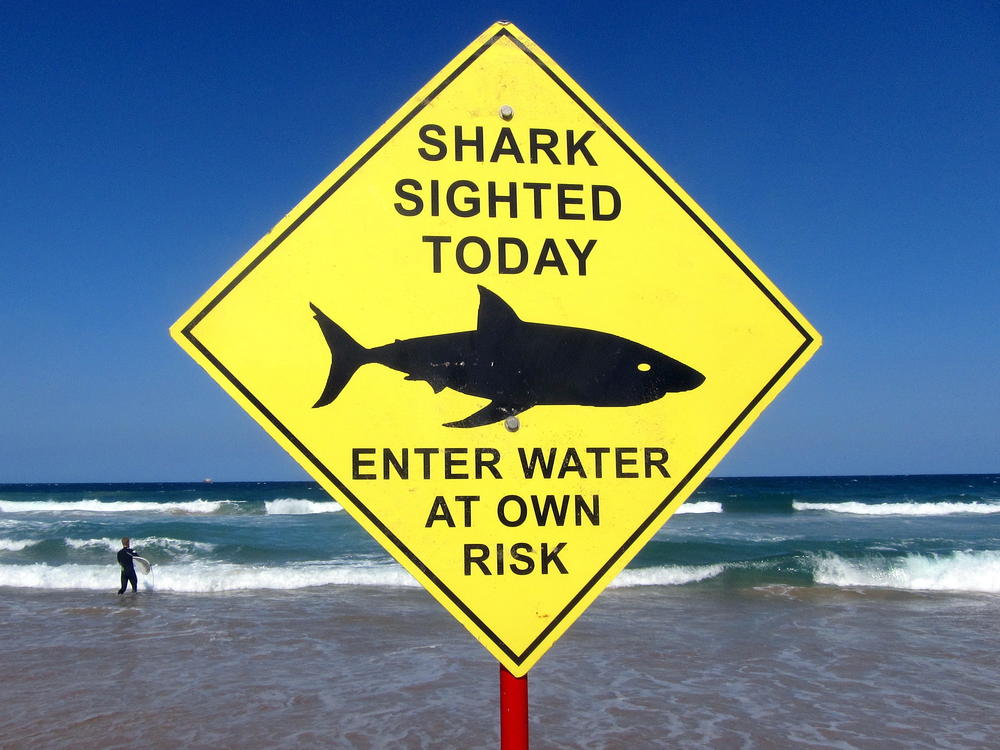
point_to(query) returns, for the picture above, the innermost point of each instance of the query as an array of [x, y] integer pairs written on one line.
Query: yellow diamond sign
[[504, 339]]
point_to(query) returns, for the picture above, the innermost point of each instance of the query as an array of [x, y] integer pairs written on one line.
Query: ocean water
[[846, 612]]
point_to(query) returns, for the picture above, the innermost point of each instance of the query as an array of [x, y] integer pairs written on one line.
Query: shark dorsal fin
[[495, 315]]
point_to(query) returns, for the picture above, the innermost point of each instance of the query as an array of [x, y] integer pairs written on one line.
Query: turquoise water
[[932, 533], [848, 612]]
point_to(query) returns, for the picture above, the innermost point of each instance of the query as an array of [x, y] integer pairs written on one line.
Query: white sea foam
[[16, 545], [102, 506], [702, 506], [202, 577], [957, 571], [900, 509], [667, 575], [293, 506]]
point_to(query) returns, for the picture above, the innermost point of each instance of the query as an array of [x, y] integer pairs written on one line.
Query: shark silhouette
[[515, 364]]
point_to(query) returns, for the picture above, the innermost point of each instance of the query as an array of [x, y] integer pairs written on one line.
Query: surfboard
[[142, 564]]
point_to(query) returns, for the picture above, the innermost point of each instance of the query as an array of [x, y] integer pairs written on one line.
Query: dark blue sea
[[828, 612]]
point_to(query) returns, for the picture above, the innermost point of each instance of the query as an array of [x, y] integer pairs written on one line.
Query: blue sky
[[850, 148]]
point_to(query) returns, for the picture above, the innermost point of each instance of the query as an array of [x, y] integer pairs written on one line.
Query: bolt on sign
[[504, 339]]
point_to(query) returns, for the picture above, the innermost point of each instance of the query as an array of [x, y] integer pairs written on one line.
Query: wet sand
[[357, 667]]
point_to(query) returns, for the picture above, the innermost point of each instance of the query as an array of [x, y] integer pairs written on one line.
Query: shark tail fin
[[346, 353]]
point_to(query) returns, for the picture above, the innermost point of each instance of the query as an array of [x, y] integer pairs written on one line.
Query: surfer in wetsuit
[[125, 555]]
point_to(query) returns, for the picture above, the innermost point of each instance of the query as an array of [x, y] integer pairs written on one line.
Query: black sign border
[[808, 340]]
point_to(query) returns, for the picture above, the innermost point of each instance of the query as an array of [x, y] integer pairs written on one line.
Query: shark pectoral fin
[[492, 412], [436, 385]]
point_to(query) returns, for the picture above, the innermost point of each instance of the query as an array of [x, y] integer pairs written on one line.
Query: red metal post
[[513, 711]]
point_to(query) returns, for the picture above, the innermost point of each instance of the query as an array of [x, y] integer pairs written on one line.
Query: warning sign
[[504, 339]]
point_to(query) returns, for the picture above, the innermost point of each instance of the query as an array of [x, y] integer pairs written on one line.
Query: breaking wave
[[16, 545], [957, 571], [668, 575], [291, 506], [156, 542], [900, 509], [702, 506], [206, 577], [103, 506]]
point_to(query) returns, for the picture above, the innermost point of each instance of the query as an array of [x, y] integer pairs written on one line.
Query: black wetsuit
[[125, 555]]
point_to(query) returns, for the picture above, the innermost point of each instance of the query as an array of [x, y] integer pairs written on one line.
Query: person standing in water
[[125, 555]]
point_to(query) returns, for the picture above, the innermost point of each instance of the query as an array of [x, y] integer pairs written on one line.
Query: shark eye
[[644, 367]]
